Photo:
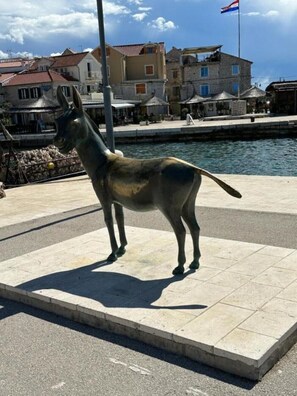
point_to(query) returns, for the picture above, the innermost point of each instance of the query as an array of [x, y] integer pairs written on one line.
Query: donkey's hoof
[[194, 265], [121, 251], [178, 271], [112, 257]]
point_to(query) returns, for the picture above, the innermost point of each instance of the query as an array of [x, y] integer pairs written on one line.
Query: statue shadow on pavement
[[111, 289]]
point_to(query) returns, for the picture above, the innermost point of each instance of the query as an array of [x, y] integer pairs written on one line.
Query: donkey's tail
[[230, 190]]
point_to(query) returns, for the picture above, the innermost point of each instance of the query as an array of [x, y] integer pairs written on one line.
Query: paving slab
[[238, 312]]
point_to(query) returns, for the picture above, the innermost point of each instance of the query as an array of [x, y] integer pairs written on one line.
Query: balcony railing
[[93, 75]]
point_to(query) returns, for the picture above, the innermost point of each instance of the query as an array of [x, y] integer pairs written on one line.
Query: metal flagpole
[[106, 86], [239, 71], [238, 29]]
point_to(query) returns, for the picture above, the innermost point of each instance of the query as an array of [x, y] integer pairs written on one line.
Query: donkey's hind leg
[[119, 215], [188, 215], [174, 217]]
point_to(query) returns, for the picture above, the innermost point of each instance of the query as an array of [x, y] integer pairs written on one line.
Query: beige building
[[206, 72], [137, 71]]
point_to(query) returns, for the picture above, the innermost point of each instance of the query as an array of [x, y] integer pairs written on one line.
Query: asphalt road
[[42, 354]]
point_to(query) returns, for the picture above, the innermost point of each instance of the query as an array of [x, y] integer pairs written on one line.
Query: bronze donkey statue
[[168, 184]]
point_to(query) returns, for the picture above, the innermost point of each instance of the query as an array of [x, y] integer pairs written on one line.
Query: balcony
[[93, 75]]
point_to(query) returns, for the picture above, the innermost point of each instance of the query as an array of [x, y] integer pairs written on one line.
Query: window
[[66, 90], [175, 74], [149, 70], [235, 87], [23, 93], [89, 69], [35, 92], [149, 50], [235, 70], [140, 89], [176, 91], [204, 90], [204, 71]]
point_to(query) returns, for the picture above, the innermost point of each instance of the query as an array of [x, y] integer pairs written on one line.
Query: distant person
[[190, 119]]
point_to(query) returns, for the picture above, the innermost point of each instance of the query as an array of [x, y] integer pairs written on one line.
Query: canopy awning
[[89, 105], [194, 99], [253, 93], [155, 101], [122, 105], [223, 96]]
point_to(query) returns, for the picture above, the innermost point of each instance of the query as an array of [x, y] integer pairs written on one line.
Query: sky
[[268, 29]]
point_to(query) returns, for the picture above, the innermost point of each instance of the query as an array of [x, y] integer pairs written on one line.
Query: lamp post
[[106, 86]]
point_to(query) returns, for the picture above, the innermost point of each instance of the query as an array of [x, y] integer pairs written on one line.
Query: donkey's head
[[70, 126]]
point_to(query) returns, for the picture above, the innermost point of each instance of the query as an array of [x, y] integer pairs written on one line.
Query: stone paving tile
[[289, 262], [246, 346], [279, 305], [289, 293], [277, 251], [272, 324], [251, 295], [230, 279], [259, 193], [212, 325], [275, 276], [254, 264]]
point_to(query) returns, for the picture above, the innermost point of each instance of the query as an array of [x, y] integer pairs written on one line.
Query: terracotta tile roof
[[134, 49], [14, 63], [68, 60], [5, 76], [36, 78]]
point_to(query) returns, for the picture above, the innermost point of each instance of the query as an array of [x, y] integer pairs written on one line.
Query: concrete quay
[[207, 129], [238, 312], [252, 126]]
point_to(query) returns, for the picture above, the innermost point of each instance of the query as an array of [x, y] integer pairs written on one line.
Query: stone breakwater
[[37, 165]]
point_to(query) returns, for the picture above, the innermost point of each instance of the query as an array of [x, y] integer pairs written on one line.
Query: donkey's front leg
[[119, 214], [109, 224]]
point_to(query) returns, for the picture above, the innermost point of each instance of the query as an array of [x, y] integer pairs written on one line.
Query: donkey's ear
[[62, 99], [77, 100]]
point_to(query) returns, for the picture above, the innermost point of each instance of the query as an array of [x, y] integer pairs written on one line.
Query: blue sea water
[[270, 157]]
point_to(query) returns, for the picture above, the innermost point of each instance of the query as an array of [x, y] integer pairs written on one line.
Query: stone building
[[204, 71]]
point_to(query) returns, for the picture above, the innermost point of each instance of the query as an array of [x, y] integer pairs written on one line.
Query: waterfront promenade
[[238, 312], [208, 128]]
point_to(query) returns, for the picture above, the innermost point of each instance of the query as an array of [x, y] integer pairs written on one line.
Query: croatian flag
[[231, 7]]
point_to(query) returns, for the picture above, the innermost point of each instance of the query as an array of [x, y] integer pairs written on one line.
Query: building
[[136, 72], [206, 72], [15, 65], [32, 97], [283, 97], [82, 68]]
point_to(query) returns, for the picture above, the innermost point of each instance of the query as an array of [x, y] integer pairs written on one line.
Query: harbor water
[[270, 157]]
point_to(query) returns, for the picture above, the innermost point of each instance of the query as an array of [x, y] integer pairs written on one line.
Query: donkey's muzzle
[[61, 144]]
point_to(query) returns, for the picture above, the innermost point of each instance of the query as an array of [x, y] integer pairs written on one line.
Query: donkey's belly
[[138, 205]]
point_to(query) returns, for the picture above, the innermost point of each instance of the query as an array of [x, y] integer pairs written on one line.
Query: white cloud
[[3, 55], [162, 25], [139, 17], [254, 13], [111, 8], [76, 23], [272, 14], [284, 10], [137, 2]]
